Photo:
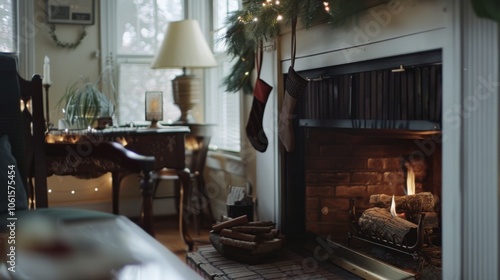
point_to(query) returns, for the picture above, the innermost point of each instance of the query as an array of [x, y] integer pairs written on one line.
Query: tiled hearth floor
[[288, 264], [295, 262]]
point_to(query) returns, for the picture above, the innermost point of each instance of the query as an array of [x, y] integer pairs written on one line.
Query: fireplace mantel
[[422, 126]]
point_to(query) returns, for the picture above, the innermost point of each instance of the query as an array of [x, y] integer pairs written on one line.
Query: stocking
[[294, 87], [254, 129]]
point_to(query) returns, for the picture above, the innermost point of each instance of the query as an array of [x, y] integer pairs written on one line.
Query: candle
[[46, 71], [155, 105]]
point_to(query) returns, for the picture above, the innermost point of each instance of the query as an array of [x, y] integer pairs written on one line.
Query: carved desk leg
[[116, 178], [185, 192], [147, 204]]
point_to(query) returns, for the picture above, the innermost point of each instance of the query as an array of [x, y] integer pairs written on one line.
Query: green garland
[[53, 36], [260, 20]]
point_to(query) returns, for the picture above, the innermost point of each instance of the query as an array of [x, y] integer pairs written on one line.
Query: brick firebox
[[353, 125], [344, 165]]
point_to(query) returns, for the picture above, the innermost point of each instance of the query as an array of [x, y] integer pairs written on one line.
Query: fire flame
[[410, 187], [410, 180], [393, 207]]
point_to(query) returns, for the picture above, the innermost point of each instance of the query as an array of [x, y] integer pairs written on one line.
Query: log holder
[[372, 237]]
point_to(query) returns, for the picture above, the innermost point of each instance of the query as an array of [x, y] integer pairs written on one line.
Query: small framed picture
[[70, 11], [154, 105]]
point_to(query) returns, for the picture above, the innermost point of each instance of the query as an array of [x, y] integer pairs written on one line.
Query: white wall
[[67, 67], [266, 167], [478, 82]]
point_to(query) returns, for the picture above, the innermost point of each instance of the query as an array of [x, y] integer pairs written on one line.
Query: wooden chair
[[22, 122], [197, 142]]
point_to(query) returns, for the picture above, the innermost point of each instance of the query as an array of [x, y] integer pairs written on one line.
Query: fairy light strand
[[101, 186]]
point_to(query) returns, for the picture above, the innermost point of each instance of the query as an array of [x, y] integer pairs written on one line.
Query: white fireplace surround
[[471, 76]]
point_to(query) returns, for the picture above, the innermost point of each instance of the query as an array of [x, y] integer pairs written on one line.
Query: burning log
[[420, 202], [380, 223], [431, 219]]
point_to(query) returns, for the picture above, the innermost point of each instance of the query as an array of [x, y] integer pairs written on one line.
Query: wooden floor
[[167, 233]]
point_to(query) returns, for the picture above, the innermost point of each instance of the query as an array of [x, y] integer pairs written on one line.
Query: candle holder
[[48, 124], [154, 107]]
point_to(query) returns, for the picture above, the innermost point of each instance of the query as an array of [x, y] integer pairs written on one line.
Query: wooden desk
[[167, 145]]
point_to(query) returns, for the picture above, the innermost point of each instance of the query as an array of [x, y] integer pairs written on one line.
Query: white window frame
[[109, 47], [195, 9], [214, 97], [24, 32]]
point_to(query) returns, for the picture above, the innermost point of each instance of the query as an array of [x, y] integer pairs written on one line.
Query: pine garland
[[61, 44], [259, 20]]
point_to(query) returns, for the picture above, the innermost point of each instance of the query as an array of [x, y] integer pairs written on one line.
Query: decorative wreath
[[61, 44]]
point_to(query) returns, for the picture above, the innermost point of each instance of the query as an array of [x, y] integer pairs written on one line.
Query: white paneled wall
[[480, 114]]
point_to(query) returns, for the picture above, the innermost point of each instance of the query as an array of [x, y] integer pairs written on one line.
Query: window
[[140, 26], [8, 25], [223, 108]]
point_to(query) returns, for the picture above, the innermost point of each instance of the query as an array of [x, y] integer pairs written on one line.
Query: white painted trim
[[480, 140], [452, 156], [397, 46], [27, 29], [108, 30]]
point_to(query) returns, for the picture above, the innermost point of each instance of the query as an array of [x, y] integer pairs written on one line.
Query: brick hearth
[[287, 264]]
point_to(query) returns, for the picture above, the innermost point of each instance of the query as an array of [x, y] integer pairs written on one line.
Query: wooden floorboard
[[167, 233]]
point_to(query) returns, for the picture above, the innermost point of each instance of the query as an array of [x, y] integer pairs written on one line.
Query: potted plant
[[83, 103]]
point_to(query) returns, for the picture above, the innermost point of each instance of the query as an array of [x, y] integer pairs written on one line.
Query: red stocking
[[254, 129]]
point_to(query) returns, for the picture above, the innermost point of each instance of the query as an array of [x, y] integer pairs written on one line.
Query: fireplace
[[357, 126], [344, 166]]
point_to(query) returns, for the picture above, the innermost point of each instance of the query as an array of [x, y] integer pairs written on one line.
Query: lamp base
[[187, 93], [154, 125]]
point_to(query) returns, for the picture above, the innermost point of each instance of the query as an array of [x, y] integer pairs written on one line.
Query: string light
[[269, 4], [327, 6], [84, 190]]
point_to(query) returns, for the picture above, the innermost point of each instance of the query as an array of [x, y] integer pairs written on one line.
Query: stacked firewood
[[253, 237]]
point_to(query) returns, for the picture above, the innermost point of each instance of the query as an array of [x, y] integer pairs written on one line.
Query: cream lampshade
[[184, 47]]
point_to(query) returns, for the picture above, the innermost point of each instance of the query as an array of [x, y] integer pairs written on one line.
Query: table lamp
[[184, 47]]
